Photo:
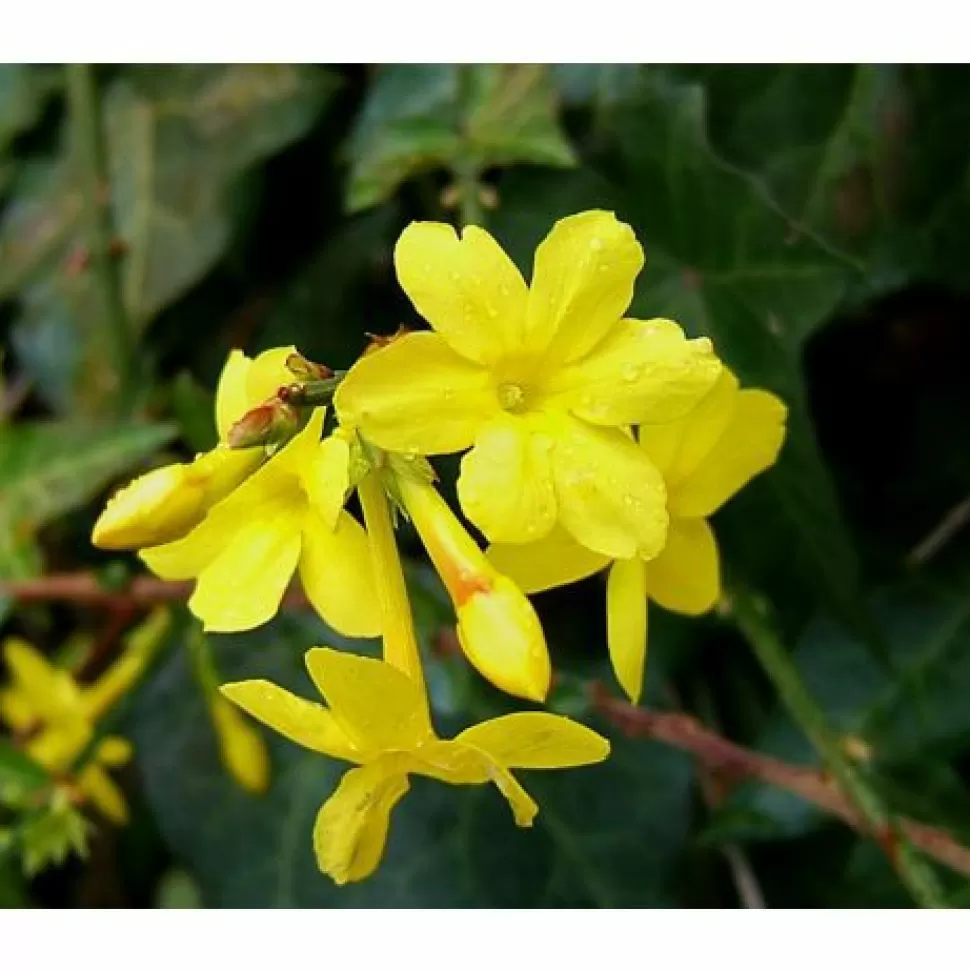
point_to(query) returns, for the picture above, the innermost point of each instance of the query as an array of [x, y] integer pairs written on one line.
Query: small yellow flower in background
[[241, 749], [287, 516], [164, 504], [377, 718], [57, 716], [540, 382], [498, 629], [705, 458]]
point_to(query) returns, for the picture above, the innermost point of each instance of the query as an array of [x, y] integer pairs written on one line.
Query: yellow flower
[[377, 718], [286, 516], [164, 504], [498, 628], [58, 716], [241, 749], [705, 458], [539, 381]]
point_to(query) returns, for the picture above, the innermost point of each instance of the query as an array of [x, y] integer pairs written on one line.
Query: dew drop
[[596, 243], [630, 373]]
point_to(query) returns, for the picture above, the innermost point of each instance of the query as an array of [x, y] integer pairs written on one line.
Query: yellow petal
[[58, 746], [749, 444], [534, 739], [678, 447], [501, 636], [524, 808], [246, 549], [582, 283], [338, 576], [626, 623], [378, 707], [685, 577], [114, 752], [302, 721], [326, 477], [505, 486], [103, 793], [467, 289], [241, 747], [16, 711], [611, 498], [351, 827], [231, 398], [267, 374], [267, 493], [51, 693], [449, 762], [556, 560], [643, 371], [417, 396], [243, 586]]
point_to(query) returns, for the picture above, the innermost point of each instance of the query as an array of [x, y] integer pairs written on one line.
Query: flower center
[[512, 397]]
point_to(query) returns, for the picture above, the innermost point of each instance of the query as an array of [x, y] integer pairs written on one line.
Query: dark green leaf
[[608, 835], [902, 720], [177, 137], [420, 117]]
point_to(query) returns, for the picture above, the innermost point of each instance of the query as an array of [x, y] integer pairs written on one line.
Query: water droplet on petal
[[631, 372]]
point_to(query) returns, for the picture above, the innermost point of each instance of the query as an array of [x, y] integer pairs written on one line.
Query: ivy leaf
[[911, 720], [421, 117], [608, 835], [862, 155], [176, 140], [723, 260]]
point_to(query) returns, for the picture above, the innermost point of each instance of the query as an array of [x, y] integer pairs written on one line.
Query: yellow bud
[[498, 629], [168, 502], [158, 507], [500, 634], [241, 746]]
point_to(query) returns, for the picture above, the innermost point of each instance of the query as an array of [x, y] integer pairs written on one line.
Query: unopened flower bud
[[241, 747], [379, 341], [273, 422], [165, 504], [307, 370], [155, 508], [498, 629]]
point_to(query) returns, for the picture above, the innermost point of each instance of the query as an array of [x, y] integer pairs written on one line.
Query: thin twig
[[93, 170], [948, 527], [674, 729], [84, 589], [729, 759], [752, 620]]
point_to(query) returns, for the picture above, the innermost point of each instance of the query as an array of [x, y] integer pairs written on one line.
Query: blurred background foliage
[[815, 221]]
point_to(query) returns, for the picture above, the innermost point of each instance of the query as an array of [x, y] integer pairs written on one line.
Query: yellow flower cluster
[[592, 440], [57, 718]]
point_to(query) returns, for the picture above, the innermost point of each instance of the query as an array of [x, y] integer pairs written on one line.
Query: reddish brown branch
[[728, 759], [681, 731], [84, 589]]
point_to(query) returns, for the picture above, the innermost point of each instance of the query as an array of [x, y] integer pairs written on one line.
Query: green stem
[[914, 872], [470, 209], [397, 625], [92, 165]]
